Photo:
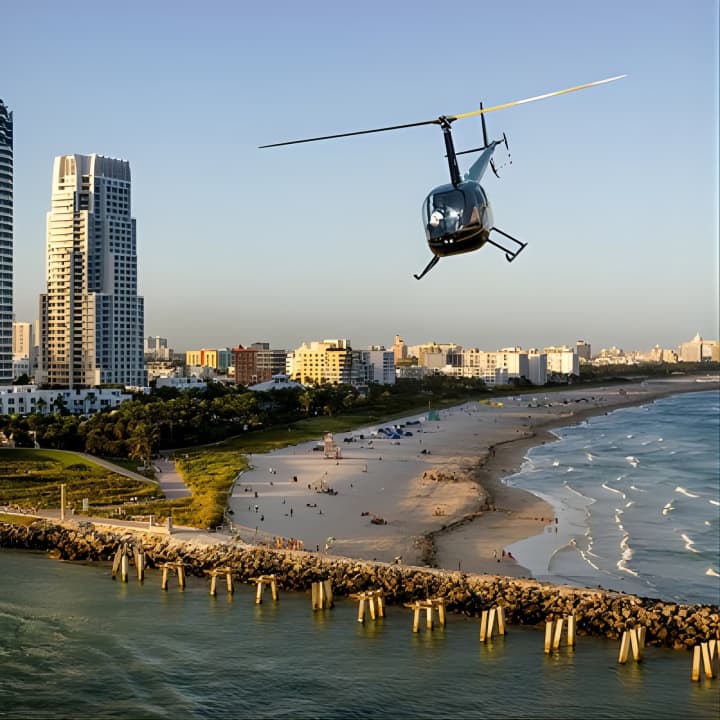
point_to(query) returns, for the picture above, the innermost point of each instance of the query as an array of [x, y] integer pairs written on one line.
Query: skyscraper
[[91, 318], [6, 243]]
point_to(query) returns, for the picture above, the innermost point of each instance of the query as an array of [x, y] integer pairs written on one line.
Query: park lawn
[[32, 478], [11, 519]]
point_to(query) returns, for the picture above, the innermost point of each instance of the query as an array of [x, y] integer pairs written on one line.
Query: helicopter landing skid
[[428, 267], [510, 255]]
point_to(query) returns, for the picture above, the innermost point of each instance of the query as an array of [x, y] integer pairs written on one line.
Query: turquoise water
[[74, 643], [637, 498]]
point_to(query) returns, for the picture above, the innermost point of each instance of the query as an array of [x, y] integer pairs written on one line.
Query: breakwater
[[527, 602]]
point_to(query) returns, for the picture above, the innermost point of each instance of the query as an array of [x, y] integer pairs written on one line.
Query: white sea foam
[[683, 491], [637, 489], [714, 502], [713, 573], [689, 543], [668, 508], [555, 463], [632, 460], [627, 555], [613, 490], [590, 456]]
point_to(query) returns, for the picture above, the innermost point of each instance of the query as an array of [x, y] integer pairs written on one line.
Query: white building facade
[[26, 399], [562, 360], [91, 317]]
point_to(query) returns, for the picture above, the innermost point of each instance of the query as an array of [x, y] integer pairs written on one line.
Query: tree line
[[169, 418]]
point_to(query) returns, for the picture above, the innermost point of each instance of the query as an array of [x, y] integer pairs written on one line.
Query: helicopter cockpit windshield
[[443, 212]]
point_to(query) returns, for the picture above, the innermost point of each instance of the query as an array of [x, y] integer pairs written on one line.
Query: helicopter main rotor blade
[[444, 120], [483, 111], [348, 134]]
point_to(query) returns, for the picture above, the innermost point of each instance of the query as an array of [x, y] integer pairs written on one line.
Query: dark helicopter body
[[457, 216], [457, 219]]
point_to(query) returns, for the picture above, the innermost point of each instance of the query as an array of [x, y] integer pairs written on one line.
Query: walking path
[[171, 483]]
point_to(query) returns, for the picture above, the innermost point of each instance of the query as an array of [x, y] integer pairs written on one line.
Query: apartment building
[[91, 317]]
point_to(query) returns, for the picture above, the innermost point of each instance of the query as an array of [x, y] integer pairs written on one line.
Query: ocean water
[[76, 644], [637, 497]]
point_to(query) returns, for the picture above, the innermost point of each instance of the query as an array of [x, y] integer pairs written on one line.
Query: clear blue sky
[[615, 187]]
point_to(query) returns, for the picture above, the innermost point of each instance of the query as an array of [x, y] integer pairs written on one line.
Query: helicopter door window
[[445, 213]]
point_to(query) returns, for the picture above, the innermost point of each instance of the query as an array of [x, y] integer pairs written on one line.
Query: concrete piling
[[709, 652], [487, 622], [121, 563], [178, 568], [554, 631], [321, 595], [373, 599], [635, 639], [437, 604], [140, 564], [261, 581], [220, 572]]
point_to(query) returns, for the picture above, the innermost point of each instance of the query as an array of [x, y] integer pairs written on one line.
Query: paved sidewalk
[[170, 481]]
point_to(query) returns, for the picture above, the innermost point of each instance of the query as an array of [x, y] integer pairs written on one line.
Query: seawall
[[527, 602]]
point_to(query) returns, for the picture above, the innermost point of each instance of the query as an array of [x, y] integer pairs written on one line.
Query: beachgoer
[[291, 512]]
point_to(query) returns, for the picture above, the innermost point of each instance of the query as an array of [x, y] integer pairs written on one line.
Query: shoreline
[[433, 491], [506, 459]]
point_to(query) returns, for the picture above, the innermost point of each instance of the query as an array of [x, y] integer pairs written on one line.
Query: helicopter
[[457, 215]]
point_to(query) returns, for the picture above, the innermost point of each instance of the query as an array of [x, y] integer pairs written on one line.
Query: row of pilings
[[598, 612]]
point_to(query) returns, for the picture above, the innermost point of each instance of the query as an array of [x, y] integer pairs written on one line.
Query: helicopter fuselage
[[457, 217]]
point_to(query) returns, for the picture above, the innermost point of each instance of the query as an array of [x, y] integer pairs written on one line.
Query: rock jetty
[[598, 612]]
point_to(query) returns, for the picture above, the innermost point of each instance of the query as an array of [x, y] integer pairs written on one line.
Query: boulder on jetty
[[526, 602]]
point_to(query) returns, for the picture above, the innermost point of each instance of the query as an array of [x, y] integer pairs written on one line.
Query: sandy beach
[[436, 492]]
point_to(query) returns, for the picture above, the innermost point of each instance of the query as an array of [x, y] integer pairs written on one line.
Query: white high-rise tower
[[6, 244], [91, 318]]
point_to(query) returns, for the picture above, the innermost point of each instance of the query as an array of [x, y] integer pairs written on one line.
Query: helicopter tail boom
[[478, 168]]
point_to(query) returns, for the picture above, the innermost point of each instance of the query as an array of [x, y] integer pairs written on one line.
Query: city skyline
[[321, 241]]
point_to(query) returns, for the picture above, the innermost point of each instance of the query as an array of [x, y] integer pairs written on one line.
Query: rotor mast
[[446, 125]]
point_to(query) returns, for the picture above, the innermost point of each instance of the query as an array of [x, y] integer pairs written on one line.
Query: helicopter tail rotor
[[493, 167]]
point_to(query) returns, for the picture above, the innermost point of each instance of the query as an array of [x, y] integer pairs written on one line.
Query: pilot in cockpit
[[443, 217]]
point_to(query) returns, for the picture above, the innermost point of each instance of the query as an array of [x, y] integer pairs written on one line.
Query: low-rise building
[[26, 399]]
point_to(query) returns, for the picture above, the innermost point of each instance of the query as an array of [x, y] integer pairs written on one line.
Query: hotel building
[[91, 317], [329, 361]]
